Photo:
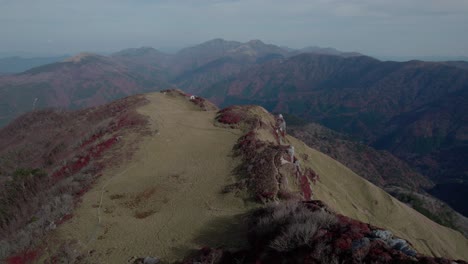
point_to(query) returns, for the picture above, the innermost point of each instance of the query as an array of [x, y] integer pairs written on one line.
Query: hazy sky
[[377, 27]]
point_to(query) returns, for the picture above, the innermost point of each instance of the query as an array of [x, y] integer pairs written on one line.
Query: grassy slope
[[177, 175], [351, 195]]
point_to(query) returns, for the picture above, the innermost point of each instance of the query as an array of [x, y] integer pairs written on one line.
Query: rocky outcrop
[[270, 170]]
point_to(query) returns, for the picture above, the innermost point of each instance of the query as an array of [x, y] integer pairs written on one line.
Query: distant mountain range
[[91, 79], [423, 58]]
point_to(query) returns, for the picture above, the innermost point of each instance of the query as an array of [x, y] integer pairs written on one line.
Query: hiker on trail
[[278, 137], [291, 152], [298, 167], [281, 124]]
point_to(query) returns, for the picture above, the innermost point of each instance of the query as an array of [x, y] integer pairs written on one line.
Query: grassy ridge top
[[167, 199]]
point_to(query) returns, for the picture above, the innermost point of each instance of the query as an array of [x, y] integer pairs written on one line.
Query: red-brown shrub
[[24, 257]]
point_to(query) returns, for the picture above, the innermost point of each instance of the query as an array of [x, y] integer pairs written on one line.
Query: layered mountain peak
[[327, 51], [219, 47], [85, 57], [142, 51], [217, 41], [255, 42], [213, 47], [257, 48]]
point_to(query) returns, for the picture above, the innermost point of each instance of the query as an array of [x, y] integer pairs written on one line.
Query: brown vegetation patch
[[244, 117], [116, 196], [178, 178], [141, 197], [143, 214], [109, 209]]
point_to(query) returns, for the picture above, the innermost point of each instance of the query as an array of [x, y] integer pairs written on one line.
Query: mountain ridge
[[146, 198]]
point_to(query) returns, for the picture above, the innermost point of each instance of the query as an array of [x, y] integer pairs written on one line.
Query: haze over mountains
[[18, 64], [90, 79], [401, 125]]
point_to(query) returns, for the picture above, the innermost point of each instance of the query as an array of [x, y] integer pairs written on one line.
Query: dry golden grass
[[351, 195], [175, 180], [178, 173]]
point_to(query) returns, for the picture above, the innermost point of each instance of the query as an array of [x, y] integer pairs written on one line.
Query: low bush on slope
[[308, 232]]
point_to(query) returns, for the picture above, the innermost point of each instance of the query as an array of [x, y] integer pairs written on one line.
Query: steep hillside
[[382, 169], [417, 110], [350, 195], [190, 181], [81, 81], [379, 167]]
